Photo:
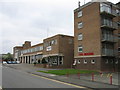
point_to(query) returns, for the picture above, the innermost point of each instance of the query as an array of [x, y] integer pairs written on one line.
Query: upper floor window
[[79, 13], [80, 49], [105, 7], [80, 25], [70, 41], [80, 36], [118, 12]]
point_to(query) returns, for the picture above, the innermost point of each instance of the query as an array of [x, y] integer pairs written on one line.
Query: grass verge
[[70, 71]]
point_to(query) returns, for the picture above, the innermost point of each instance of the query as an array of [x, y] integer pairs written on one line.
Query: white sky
[[29, 20]]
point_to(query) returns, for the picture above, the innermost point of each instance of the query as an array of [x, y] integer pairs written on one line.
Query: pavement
[[101, 81]]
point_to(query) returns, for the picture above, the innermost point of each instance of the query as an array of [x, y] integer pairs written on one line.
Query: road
[[13, 78]]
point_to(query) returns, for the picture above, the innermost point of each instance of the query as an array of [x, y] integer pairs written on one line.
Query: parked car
[[11, 62], [4, 62], [18, 62]]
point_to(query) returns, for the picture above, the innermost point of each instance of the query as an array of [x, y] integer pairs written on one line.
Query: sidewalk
[[73, 79]]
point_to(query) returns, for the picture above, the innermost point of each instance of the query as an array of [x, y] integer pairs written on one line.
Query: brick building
[[27, 53], [96, 32], [59, 51], [56, 51]]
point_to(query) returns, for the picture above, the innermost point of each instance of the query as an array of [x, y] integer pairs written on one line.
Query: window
[[80, 36], [112, 61], [117, 11], [70, 41], [106, 61], [54, 61], [52, 42], [56, 42], [105, 7], [119, 49], [80, 25], [78, 61], [116, 62], [92, 61], [80, 49], [79, 13], [85, 61]]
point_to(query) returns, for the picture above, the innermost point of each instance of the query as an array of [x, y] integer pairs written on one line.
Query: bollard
[[78, 75], [111, 79], [101, 74], [92, 76]]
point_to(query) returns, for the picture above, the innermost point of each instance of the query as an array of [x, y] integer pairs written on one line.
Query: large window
[[80, 25], [105, 7], [80, 49], [80, 36], [79, 13]]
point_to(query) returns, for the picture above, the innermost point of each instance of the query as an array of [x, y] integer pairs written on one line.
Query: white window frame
[[79, 61], [80, 47], [80, 36], [92, 61], [80, 25], [85, 61], [79, 14]]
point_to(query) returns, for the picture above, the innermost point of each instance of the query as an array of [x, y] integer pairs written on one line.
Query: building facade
[[96, 32], [59, 51], [27, 53], [56, 52]]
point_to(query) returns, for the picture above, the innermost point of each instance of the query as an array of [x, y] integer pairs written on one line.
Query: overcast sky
[[29, 20]]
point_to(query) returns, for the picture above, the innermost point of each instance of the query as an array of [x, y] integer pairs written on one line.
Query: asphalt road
[[12, 78]]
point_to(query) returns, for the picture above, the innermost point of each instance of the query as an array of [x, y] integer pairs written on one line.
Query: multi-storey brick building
[[56, 51], [96, 36], [28, 53]]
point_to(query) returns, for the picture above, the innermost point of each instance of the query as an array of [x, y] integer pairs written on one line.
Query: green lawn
[[70, 71]]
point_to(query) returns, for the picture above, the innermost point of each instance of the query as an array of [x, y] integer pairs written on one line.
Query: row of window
[[108, 61], [50, 43], [93, 61], [85, 61], [35, 49]]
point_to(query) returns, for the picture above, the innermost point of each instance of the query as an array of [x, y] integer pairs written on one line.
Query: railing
[[109, 52], [109, 38], [109, 24], [107, 10]]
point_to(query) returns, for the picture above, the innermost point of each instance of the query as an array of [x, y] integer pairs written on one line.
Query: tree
[[8, 57]]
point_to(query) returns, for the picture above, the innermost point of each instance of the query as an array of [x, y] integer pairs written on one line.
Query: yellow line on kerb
[[58, 81]]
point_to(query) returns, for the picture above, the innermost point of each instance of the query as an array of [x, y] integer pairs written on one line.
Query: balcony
[[109, 25], [108, 12], [108, 52], [111, 39]]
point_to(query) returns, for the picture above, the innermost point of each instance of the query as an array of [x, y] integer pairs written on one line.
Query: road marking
[[59, 81]]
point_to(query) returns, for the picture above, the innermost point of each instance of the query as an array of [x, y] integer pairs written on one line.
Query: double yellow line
[[59, 81]]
